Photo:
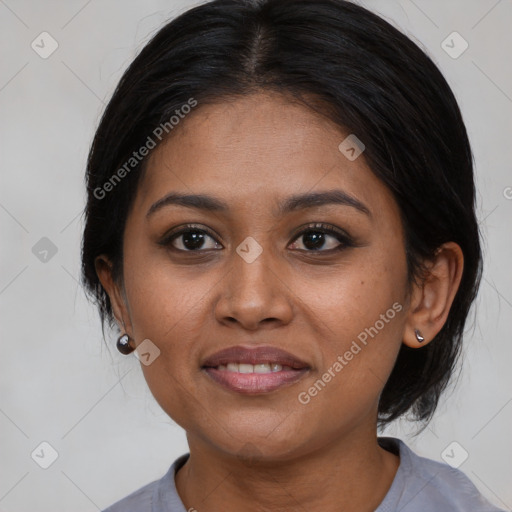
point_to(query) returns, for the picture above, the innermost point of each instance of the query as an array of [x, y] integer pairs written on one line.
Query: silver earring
[[419, 337]]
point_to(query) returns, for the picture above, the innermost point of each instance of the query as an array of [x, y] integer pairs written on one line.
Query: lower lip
[[255, 383]]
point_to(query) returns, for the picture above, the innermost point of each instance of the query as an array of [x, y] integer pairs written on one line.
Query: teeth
[[246, 368], [252, 368], [262, 368]]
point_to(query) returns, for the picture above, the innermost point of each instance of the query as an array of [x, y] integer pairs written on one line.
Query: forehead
[[257, 149]]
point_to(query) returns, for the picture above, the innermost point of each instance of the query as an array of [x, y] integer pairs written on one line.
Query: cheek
[[167, 309], [354, 295], [361, 337], [360, 318]]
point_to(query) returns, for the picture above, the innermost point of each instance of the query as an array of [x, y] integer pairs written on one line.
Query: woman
[[281, 222]]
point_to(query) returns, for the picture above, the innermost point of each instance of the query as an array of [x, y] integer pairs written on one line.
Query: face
[[325, 281]]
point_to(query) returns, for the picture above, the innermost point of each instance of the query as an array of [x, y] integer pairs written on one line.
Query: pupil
[[313, 240], [193, 240]]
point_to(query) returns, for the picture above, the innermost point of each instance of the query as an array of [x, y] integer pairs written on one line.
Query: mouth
[[254, 370]]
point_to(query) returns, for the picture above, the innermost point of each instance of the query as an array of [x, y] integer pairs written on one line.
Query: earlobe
[[433, 297]]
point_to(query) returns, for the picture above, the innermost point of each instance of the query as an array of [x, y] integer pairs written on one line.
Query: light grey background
[[59, 382]]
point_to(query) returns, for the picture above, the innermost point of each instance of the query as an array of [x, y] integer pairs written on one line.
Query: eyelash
[[344, 239]]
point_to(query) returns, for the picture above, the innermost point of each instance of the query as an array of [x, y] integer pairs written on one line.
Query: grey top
[[420, 485]]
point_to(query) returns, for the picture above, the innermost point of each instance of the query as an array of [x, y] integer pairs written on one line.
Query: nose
[[254, 293]]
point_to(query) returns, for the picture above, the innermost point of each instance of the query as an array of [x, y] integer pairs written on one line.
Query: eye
[[317, 236], [190, 239]]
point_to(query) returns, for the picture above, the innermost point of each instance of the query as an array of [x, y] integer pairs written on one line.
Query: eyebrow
[[290, 204]]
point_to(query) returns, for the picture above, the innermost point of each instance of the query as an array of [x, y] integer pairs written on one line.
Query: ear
[[432, 299], [116, 294]]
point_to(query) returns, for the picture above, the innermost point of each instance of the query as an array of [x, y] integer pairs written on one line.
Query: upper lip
[[254, 355]]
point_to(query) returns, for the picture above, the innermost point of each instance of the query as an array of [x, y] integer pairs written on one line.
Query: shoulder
[[138, 501], [158, 495], [432, 486]]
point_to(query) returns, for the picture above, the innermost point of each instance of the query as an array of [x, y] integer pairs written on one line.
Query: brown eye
[[323, 238], [190, 239]]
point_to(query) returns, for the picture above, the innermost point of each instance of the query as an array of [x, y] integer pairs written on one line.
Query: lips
[[254, 370]]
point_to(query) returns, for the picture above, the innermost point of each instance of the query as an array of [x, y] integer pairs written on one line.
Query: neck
[[353, 473]]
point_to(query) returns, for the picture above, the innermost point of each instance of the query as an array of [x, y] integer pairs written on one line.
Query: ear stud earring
[[123, 345], [419, 337]]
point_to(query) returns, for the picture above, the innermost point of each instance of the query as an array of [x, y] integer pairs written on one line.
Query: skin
[[269, 451]]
